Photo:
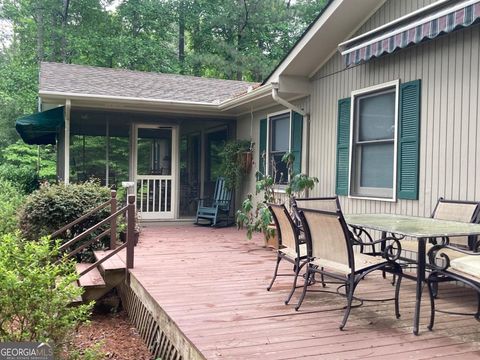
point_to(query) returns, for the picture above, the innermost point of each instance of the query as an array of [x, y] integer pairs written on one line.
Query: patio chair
[[217, 208], [331, 253], [464, 268], [290, 248], [462, 211]]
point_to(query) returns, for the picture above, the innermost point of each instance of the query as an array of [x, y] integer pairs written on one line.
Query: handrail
[[81, 218], [129, 245], [88, 243], [106, 257], [93, 228]]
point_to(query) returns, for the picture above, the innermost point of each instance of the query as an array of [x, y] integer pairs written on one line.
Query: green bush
[[24, 177], [10, 200], [36, 293], [53, 206]]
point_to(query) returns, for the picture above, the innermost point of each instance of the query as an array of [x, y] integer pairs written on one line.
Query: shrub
[[36, 293], [54, 206], [25, 178], [10, 200]]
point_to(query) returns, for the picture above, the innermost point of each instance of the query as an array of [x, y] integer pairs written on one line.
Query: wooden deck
[[211, 284]]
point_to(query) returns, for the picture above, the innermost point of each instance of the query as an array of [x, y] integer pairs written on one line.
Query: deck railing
[[128, 210]]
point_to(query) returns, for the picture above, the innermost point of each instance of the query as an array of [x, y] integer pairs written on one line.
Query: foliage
[[26, 165], [232, 167], [10, 200], [54, 206], [36, 292], [257, 218]]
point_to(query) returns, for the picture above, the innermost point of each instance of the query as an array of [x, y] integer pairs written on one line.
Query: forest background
[[226, 39]]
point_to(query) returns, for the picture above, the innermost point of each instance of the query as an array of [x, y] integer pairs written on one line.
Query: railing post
[[113, 222], [130, 230]]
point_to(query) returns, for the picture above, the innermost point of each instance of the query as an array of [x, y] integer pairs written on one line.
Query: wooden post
[[113, 222], [130, 230]]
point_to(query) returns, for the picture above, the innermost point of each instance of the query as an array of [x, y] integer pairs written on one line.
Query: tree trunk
[[40, 32], [181, 36], [63, 50]]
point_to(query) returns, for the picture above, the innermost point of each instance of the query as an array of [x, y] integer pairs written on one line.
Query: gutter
[[94, 97], [260, 92], [302, 112]]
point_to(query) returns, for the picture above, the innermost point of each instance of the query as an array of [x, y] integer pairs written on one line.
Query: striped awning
[[420, 28]]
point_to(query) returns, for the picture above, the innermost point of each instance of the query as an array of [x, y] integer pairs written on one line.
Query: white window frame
[[365, 91], [269, 141]]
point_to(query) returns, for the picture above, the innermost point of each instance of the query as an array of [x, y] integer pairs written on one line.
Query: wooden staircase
[[111, 266], [103, 278]]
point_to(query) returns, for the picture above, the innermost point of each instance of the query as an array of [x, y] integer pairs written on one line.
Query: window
[[378, 142], [279, 146], [280, 133], [373, 140]]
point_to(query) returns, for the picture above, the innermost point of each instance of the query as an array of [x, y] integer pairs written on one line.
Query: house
[[378, 99]]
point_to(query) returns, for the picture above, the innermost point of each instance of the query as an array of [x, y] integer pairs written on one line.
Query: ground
[[120, 340]]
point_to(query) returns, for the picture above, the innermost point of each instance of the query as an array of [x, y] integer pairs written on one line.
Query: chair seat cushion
[[291, 253], [362, 261], [469, 264]]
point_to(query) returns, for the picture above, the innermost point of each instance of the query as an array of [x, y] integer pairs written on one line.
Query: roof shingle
[[79, 79]]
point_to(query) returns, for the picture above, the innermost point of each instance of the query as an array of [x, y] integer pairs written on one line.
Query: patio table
[[418, 228]]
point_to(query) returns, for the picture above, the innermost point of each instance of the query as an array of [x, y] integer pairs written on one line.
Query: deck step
[[111, 264], [91, 279]]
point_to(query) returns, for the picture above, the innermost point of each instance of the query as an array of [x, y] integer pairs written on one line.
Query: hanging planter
[[246, 161]]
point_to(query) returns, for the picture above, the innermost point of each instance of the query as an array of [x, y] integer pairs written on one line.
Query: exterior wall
[[449, 70], [248, 127]]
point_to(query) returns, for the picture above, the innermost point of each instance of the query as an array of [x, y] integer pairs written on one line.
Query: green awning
[[40, 128]]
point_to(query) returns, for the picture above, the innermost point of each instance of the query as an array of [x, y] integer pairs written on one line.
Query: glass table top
[[413, 226]]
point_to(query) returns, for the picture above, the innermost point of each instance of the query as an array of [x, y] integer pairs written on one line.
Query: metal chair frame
[[351, 280], [440, 273], [473, 242], [298, 262]]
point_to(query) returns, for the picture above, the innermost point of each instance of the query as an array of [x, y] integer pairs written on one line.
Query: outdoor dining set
[[317, 238]]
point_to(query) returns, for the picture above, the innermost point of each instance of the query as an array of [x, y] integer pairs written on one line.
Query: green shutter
[[409, 141], [296, 141], [262, 148], [343, 145]]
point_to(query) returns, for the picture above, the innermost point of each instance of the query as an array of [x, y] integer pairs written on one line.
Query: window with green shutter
[[262, 146], [281, 133], [378, 149], [343, 145], [409, 140]]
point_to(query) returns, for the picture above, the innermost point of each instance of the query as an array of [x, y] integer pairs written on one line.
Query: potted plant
[[256, 217]]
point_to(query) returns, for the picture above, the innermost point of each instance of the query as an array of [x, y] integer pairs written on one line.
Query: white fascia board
[[126, 99]]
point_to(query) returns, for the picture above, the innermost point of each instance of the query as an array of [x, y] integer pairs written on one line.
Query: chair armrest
[[391, 246], [436, 253]]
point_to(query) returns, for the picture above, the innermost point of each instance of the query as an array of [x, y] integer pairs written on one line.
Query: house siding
[[449, 70]]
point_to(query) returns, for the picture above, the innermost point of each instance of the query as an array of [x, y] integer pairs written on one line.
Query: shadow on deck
[[198, 292]]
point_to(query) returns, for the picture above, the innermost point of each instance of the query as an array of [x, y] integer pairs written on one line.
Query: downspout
[[302, 112]]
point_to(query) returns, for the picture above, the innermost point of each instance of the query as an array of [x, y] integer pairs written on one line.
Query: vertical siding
[[450, 126]]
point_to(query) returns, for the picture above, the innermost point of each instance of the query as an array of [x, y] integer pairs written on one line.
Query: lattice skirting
[[149, 329]]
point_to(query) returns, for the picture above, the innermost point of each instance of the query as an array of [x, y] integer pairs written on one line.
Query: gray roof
[[79, 79]]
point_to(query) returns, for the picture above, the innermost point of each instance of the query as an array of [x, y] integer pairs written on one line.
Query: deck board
[[212, 284]]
